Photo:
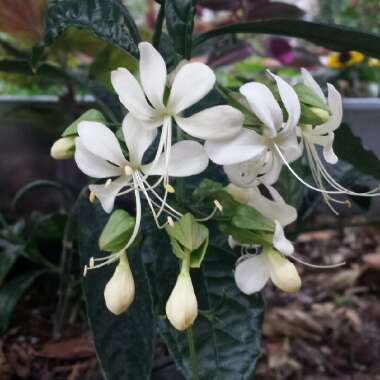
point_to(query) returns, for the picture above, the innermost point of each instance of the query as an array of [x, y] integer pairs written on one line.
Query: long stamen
[[217, 207], [324, 191], [301, 261]]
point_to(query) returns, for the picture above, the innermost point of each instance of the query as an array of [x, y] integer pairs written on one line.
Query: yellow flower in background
[[345, 59], [374, 62]]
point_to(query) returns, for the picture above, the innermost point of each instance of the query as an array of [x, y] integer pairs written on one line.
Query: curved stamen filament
[[301, 261]]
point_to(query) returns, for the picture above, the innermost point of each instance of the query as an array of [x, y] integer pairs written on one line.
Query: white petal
[[152, 74], [264, 105], [186, 158], [310, 82], [137, 138], [275, 209], [107, 195], [192, 82], [131, 94], [290, 100], [252, 274], [336, 108], [280, 242], [245, 174], [272, 169], [92, 165], [214, 123], [101, 141], [328, 152], [245, 146], [289, 145], [283, 273]]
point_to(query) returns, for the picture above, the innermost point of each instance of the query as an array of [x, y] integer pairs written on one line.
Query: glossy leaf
[[124, 343], [108, 20], [179, 22], [349, 147], [90, 115], [9, 253], [10, 294], [227, 330], [333, 37]]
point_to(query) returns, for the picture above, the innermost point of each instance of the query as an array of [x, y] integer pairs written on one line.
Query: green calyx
[[189, 239], [117, 231]]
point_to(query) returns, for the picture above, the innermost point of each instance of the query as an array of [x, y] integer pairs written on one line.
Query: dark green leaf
[[10, 294], [206, 189], [9, 253], [124, 343], [179, 22], [330, 36], [227, 331], [117, 231], [349, 147], [247, 217], [108, 20], [90, 115]]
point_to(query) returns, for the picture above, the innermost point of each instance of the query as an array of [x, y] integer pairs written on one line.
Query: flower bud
[[119, 292], [321, 114], [63, 148], [182, 305], [283, 273]]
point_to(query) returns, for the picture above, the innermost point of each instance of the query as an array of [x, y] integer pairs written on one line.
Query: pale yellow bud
[[238, 193], [119, 292], [63, 148], [283, 273], [323, 115], [182, 305]]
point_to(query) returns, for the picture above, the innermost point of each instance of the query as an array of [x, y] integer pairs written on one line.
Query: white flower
[[323, 134], [119, 292], [150, 103], [98, 154], [259, 157], [254, 271], [182, 305], [275, 209]]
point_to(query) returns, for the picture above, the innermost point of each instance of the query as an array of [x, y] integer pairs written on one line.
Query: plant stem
[[193, 354], [159, 23]]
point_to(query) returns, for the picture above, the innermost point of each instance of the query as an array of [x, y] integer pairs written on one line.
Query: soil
[[329, 330]]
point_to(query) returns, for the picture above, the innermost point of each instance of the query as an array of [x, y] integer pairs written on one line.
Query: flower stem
[[193, 354]]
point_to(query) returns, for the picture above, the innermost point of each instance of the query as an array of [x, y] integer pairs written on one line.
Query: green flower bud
[[63, 148]]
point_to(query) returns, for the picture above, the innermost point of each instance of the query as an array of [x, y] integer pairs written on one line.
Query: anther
[[218, 205], [85, 269], [170, 221], [169, 188], [91, 263], [92, 197], [108, 182]]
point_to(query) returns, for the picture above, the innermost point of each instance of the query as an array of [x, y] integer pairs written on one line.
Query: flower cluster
[[252, 155]]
